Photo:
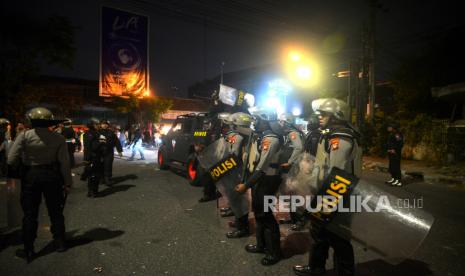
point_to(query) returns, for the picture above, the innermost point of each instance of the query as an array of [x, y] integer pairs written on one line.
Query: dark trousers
[[267, 229], [71, 150], [209, 187], [108, 165], [34, 184], [394, 166], [95, 175], [343, 251]]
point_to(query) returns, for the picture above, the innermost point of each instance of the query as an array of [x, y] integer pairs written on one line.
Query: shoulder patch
[[334, 143], [232, 139], [266, 144]]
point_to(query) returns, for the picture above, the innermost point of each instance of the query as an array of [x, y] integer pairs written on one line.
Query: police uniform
[[312, 140], [109, 152], [96, 156], [338, 147], [265, 181], [70, 137], [293, 141], [235, 142], [394, 146], [45, 170]]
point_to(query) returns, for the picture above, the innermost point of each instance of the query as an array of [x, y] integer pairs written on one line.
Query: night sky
[[186, 34]]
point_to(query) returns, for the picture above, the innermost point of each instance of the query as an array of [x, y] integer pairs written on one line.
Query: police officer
[[394, 149], [265, 181], [313, 136], [88, 136], [97, 150], [70, 137], [111, 141], [46, 170], [293, 140], [239, 127], [338, 147]]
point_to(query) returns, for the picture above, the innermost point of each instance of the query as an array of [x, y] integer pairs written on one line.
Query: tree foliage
[[26, 43], [141, 110]]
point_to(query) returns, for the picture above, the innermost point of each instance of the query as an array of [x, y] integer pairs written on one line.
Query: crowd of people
[[331, 141], [42, 155]]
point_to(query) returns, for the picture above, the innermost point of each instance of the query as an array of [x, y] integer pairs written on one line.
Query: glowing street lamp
[[301, 69]]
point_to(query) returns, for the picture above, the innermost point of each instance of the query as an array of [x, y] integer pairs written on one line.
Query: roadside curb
[[427, 177]]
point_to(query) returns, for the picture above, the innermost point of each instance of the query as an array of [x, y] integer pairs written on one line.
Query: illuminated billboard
[[124, 68]]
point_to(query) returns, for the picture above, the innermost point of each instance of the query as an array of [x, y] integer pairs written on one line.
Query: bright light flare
[[301, 68], [303, 72], [296, 111]]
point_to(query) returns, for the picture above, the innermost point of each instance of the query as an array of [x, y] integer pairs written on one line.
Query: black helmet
[[93, 122], [105, 121], [67, 122], [313, 122]]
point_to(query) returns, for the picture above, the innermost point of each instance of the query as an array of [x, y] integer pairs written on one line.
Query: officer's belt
[[274, 166]]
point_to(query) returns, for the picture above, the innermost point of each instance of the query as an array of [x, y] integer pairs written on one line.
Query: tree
[[140, 110], [26, 42]]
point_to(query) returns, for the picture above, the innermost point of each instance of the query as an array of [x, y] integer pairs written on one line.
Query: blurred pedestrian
[[394, 150], [121, 136], [136, 144], [45, 170]]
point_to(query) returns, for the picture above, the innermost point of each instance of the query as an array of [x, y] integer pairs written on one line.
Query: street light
[[301, 68]]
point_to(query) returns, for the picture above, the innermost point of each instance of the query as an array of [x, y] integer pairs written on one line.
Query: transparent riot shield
[[373, 219], [213, 153], [208, 159]]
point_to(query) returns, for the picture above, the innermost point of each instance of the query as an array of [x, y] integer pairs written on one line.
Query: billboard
[[124, 54]]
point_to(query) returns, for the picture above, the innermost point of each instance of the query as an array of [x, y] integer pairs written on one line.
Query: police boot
[[107, 181], [60, 245], [306, 270], [242, 228], [29, 254], [228, 213], [273, 254]]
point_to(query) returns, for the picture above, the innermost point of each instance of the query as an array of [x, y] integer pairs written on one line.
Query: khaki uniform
[[265, 181], [45, 170], [336, 148]]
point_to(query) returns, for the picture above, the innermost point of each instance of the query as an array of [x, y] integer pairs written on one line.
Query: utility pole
[[222, 65], [371, 49]]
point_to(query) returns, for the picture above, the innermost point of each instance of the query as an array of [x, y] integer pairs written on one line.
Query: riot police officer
[[111, 141], [239, 127], [45, 170], [338, 147], [88, 136], [313, 136], [265, 181], [293, 138], [394, 149], [97, 151], [70, 137]]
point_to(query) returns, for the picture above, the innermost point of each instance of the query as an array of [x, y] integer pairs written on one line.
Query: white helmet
[[333, 106]]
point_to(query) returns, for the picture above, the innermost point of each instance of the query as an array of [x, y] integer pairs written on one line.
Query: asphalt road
[[150, 223]]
